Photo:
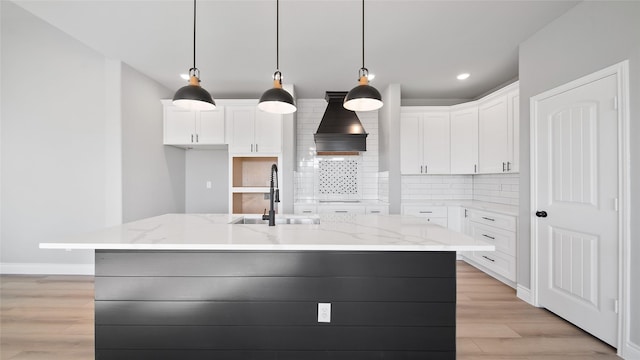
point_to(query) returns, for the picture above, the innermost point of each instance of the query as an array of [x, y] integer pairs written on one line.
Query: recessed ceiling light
[[184, 76], [463, 76]]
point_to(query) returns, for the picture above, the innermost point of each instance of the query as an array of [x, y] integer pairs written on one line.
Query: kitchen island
[[352, 287]]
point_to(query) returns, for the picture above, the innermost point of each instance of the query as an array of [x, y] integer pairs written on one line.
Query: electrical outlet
[[324, 312]]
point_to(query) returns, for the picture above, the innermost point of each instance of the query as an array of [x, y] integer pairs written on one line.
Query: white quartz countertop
[[339, 232]]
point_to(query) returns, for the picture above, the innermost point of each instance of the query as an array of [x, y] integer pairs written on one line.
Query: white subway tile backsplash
[[497, 188]]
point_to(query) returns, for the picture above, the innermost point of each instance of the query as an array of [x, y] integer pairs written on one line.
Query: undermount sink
[[280, 220]]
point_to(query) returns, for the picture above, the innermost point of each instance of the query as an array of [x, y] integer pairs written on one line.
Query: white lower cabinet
[[498, 230], [433, 214]]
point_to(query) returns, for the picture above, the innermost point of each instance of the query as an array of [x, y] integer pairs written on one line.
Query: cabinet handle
[[256, 147], [191, 137], [475, 168], [421, 172], [375, 211], [490, 219], [425, 169], [488, 258], [487, 236], [306, 211], [341, 211], [251, 147], [503, 166], [426, 212], [508, 166], [197, 138], [465, 213]]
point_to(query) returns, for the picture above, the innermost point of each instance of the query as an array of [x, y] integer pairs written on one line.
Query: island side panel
[[264, 305]]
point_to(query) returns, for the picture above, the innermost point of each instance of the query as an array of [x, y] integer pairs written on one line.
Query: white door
[[240, 120], [268, 132], [436, 149], [410, 144], [464, 141], [179, 126], [211, 126], [493, 136], [576, 184]]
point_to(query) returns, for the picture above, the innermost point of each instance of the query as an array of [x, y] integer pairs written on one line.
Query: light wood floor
[[51, 317]]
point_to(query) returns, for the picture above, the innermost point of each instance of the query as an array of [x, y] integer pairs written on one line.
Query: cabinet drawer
[[428, 211], [377, 209], [505, 222], [504, 241], [341, 209], [304, 209], [500, 263]]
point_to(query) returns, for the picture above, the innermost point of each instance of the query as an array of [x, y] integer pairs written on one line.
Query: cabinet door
[[410, 144], [435, 146], [493, 135], [464, 141], [210, 127], [179, 126], [514, 131], [240, 120], [268, 132]]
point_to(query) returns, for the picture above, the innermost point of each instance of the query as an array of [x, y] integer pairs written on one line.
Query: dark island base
[[233, 305]]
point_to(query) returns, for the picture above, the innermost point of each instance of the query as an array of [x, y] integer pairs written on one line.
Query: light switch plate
[[324, 312]]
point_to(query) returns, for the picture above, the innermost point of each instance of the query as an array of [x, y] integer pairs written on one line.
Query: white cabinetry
[[464, 139], [424, 146], [188, 128], [498, 230], [498, 124], [341, 208], [253, 131]]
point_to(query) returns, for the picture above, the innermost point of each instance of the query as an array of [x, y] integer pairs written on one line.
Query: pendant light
[[277, 100], [363, 97], [193, 96]]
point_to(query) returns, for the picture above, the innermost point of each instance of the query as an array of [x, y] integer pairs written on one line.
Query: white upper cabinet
[[253, 131], [513, 98], [464, 139], [493, 139], [498, 123], [191, 128], [424, 145]]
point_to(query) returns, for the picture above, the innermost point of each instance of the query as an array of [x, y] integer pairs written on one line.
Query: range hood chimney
[[340, 130]]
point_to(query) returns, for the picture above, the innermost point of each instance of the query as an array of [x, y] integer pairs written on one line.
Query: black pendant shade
[[363, 97], [277, 100], [193, 96]]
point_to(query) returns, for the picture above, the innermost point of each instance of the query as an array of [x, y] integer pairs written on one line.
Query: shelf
[[250, 203], [252, 172]]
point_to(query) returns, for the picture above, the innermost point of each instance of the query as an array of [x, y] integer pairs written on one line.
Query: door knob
[[541, 213]]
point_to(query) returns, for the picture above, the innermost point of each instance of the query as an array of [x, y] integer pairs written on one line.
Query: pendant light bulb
[[277, 100], [193, 96], [363, 97]]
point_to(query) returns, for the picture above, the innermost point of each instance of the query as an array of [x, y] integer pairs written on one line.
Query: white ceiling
[[421, 45]]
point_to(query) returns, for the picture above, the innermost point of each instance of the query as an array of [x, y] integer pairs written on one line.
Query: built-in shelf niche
[[250, 203], [252, 171]]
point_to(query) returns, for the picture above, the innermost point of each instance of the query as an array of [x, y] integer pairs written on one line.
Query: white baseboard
[[46, 269], [630, 351], [524, 294]]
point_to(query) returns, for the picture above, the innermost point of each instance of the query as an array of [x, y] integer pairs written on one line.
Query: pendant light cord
[[362, 33], [278, 35], [194, 34]]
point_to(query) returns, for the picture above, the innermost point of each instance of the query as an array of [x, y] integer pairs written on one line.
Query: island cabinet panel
[[264, 305]]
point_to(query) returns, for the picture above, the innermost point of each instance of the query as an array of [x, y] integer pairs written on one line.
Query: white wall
[[203, 166], [81, 146], [53, 141], [589, 37], [153, 180]]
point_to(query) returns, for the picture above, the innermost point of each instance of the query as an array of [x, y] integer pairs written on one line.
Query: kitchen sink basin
[[280, 220]]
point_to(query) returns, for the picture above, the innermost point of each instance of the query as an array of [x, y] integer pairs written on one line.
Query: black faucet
[[274, 197]]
